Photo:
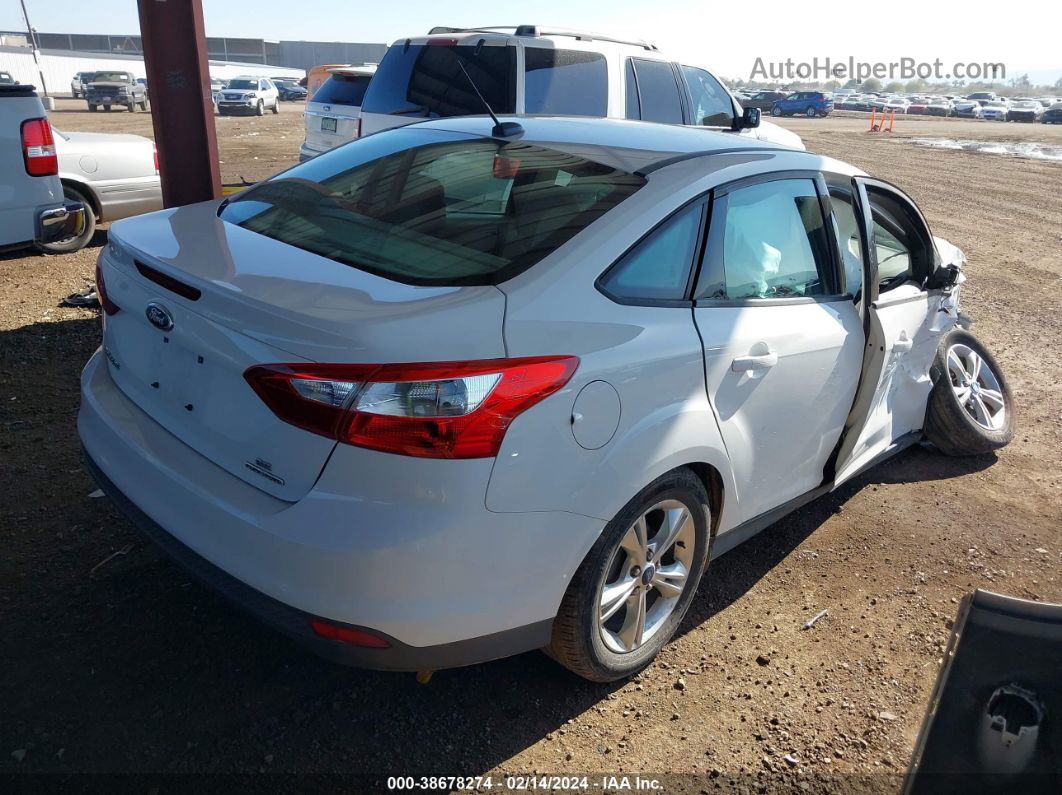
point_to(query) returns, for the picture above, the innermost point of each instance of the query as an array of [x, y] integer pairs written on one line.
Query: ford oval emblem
[[159, 316]]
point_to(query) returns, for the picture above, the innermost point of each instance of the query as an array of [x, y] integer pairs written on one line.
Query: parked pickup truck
[[33, 211], [111, 88]]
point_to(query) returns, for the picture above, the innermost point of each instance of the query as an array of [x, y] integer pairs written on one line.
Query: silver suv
[[533, 70]]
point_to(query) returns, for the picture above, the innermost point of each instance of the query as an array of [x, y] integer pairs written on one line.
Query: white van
[[533, 70], [333, 113]]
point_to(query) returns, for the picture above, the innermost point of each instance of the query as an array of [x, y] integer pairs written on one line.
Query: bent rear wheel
[[636, 583], [971, 408]]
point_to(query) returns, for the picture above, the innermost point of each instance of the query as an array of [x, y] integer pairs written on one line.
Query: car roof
[[634, 146]]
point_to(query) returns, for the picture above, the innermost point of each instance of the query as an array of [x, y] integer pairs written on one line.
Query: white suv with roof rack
[[529, 69], [333, 113]]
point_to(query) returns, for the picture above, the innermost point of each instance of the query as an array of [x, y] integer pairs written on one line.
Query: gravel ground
[[116, 663]]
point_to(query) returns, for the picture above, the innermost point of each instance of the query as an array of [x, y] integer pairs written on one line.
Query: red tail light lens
[[431, 410], [355, 637], [108, 305], [38, 148], [155, 152]]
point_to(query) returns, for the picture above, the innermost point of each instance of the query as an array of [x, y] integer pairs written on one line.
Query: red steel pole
[[182, 113]]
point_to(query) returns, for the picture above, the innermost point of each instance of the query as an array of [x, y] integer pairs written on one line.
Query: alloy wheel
[[976, 387], [646, 576]]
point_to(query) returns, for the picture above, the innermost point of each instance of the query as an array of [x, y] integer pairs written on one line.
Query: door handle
[[763, 362]]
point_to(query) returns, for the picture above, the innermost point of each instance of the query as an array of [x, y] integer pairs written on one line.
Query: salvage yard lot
[[120, 663]]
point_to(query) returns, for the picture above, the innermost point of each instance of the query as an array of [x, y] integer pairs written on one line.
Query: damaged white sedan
[[460, 390]]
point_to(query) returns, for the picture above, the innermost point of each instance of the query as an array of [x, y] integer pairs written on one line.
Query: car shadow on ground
[[99, 239], [118, 663]]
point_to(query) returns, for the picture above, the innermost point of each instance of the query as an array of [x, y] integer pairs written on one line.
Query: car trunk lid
[[202, 300]]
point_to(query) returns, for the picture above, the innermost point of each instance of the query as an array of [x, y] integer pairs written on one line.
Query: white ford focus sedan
[[455, 391]]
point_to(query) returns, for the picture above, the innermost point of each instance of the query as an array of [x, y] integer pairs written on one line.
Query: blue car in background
[[805, 103]]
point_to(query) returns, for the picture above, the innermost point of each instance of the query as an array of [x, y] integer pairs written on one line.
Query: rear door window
[[565, 82], [342, 90], [658, 91], [767, 241], [426, 81]]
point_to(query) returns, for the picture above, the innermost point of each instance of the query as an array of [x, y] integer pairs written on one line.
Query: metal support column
[[182, 113]]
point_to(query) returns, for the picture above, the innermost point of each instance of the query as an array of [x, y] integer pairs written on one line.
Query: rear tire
[[971, 408], [604, 649], [77, 243], [811, 113]]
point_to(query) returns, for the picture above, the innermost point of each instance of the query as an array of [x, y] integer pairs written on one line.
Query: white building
[[60, 66]]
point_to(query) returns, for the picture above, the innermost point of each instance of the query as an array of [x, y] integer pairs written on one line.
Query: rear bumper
[[59, 223], [402, 547], [296, 623]]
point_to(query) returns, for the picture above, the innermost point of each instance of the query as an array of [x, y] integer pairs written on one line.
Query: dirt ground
[[115, 662]]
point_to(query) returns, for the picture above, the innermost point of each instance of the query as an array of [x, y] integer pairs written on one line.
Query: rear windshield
[[433, 208], [342, 90], [426, 81]]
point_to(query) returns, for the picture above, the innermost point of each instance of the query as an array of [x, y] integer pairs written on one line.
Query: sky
[[726, 37]]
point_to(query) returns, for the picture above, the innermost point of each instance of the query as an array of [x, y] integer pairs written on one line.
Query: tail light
[[38, 148], [431, 410], [108, 305], [155, 153]]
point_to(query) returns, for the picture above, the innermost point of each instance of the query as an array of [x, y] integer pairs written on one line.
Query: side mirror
[[750, 118]]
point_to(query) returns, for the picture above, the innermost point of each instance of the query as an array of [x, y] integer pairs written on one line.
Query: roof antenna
[[501, 129]]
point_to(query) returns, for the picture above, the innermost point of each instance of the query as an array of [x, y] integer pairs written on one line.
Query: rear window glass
[[426, 81], [565, 82], [342, 90], [429, 207]]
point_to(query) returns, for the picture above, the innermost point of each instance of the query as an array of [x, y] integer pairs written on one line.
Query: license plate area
[[328, 124]]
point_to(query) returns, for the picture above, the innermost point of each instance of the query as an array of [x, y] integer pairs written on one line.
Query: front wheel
[[971, 408], [144, 105], [93, 108], [276, 106], [776, 112], [635, 584], [259, 109], [131, 107]]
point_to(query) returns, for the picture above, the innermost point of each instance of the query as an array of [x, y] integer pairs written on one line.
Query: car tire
[[588, 646], [960, 419], [276, 107], [93, 108], [131, 107], [811, 113], [776, 112], [259, 109], [145, 105], [72, 244]]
